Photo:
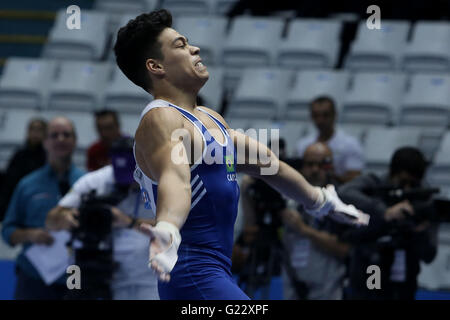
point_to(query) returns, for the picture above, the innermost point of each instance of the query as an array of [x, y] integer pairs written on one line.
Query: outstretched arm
[[154, 152]]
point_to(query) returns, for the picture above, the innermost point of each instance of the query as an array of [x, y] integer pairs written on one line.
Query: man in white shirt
[[347, 152], [133, 279]]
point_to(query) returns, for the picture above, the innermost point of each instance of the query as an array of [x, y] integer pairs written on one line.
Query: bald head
[[317, 164], [318, 149]]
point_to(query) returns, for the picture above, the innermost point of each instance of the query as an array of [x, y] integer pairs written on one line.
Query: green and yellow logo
[[229, 161]]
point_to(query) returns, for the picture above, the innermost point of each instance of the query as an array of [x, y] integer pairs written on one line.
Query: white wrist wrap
[[321, 206], [168, 258]]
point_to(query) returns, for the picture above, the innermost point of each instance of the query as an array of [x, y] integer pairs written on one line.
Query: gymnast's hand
[[335, 209], [164, 242]]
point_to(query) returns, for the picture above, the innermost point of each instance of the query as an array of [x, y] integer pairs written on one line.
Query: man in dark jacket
[[396, 240]]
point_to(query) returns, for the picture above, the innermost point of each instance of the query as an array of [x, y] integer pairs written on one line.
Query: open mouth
[[199, 65]]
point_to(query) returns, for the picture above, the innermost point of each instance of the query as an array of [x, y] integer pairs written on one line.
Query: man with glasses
[[35, 195], [316, 255]]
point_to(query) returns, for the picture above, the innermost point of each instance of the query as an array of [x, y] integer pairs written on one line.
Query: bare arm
[[154, 149]]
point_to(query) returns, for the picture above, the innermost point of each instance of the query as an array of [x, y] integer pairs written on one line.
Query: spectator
[[132, 279], [26, 159], [108, 128], [316, 255], [347, 152], [392, 241], [33, 197]]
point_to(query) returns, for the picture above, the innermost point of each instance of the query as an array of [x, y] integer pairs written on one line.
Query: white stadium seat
[[439, 172], [381, 143], [212, 91], [79, 86], [427, 102], [207, 33], [25, 82], [180, 8], [222, 7], [373, 98], [86, 43], [378, 48], [310, 43], [310, 84], [129, 123], [429, 49], [260, 94], [124, 96], [252, 41]]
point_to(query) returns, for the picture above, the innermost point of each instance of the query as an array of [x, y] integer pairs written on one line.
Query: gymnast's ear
[[155, 67]]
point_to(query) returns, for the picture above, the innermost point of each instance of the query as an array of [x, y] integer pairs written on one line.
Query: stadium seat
[[439, 172], [119, 6], [358, 131], [222, 7], [129, 123], [381, 143], [79, 86], [427, 102], [373, 98], [13, 126], [378, 49], [310, 84], [188, 7], [207, 33], [429, 49], [252, 41], [25, 82], [86, 43], [260, 94], [124, 96], [310, 43], [212, 91]]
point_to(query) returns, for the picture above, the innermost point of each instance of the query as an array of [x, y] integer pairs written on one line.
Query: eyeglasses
[[65, 134]]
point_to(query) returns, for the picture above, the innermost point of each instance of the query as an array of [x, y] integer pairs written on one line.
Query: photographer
[[401, 232], [133, 279], [315, 253]]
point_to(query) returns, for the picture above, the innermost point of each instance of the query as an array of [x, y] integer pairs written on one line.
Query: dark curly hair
[[138, 41]]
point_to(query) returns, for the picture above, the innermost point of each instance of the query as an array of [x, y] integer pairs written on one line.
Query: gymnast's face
[[182, 65]]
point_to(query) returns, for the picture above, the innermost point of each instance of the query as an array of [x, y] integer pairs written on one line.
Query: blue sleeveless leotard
[[203, 269]]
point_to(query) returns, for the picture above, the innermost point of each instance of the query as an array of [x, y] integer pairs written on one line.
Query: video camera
[[427, 207], [92, 240]]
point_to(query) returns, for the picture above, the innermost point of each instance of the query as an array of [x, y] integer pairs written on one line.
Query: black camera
[[92, 243]]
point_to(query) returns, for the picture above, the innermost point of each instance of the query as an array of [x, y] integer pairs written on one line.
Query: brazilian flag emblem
[[229, 161]]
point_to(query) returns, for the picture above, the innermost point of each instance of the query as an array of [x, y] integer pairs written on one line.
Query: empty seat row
[[81, 85], [388, 48], [373, 98], [176, 7]]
